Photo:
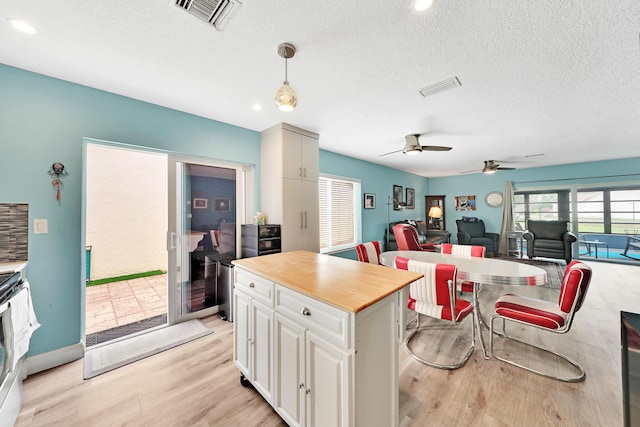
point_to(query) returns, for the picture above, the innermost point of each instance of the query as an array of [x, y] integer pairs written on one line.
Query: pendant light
[[286, 97]]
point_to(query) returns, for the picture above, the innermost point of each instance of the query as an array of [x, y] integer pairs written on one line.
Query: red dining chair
[[369, 252], [464, 251], [407, 239], [546, 315], [434, 295]]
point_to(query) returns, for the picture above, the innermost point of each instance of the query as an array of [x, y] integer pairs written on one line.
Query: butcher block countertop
[[343, 283]]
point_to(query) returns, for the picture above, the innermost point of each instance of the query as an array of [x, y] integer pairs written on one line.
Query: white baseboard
[[42, 362]]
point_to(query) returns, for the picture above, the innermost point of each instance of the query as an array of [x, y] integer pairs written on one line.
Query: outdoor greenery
[[127, 277]]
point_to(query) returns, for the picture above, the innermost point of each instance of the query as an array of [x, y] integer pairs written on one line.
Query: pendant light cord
[[286, 58]]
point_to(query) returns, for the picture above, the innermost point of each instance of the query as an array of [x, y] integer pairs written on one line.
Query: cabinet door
[[292, 155], [301, 217], [328, 384], [292, 215], [241, 325], [310, 216], [289, 393], [261, 357], [310, 158]]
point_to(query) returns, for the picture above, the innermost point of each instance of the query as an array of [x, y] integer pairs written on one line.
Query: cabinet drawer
[[254, 285], [329, 322]]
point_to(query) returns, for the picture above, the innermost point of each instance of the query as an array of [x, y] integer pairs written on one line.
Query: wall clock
[[494, 199]]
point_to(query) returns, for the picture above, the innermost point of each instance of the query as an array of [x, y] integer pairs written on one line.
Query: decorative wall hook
[[58, 173]]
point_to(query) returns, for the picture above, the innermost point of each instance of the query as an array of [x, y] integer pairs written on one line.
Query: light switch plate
[[40, 226]]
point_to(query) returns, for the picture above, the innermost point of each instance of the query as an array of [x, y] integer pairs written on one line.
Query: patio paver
[[121, 303]]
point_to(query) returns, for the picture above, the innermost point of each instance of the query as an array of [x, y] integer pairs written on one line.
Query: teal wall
[[378, 180], [42, 121]]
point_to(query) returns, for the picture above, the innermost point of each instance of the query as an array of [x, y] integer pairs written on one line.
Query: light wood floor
[[197, 384]]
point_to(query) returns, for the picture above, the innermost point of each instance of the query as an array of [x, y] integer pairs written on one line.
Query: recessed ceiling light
[[22, 26], [256, 107], [421, 5]]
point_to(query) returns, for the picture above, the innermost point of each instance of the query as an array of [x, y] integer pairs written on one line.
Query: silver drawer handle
[[305, 311], [251, 285]]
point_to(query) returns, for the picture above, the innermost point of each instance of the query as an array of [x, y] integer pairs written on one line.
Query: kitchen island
[[318, 336]]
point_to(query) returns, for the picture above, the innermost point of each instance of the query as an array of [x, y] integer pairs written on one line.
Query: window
[[590, 211], [541, 206], [599, 210], [609, 211], [340, 213]]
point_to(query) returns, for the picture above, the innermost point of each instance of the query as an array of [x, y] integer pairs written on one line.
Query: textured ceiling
[[559, 77]]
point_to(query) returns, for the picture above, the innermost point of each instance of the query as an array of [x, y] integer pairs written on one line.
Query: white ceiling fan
[[412, 146]]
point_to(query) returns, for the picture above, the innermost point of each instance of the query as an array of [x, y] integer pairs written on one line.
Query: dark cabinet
[[260, 240]]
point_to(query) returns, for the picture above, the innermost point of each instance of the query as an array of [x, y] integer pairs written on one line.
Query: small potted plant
[[259, 218]]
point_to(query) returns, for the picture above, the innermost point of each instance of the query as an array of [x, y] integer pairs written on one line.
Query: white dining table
[[488, 271]]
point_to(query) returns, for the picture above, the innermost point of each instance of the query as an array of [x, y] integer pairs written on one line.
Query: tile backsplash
[[14, 232]]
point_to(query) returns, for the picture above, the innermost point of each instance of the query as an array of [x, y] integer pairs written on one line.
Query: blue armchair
[[473, 233]]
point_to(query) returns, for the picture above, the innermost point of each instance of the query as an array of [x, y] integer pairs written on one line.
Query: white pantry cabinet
[[289, 185]]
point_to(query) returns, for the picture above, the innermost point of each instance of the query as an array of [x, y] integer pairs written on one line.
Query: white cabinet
[[290, 389], [301, 155], [330, 366], [327, 383], [311, 376], [289, 185], [301, 213], [253, 328]]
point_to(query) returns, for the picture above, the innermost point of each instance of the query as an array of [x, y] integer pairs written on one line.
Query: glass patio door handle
[[173, 240]]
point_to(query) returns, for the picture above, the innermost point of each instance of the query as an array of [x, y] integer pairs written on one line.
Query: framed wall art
[[222, 205], [411, 198], [369, 201], [200, 203], [397, 197], [465, 203]]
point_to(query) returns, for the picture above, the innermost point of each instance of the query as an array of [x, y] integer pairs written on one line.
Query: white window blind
[[340, 213]]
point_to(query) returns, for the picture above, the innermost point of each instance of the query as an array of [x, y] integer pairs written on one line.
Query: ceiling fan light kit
[[286, 97], [412, 145], [488, 170]]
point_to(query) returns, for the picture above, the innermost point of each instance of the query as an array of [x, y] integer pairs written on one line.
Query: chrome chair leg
[[581, 372], [456, 365]]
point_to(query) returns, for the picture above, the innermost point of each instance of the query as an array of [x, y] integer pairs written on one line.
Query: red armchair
[[407, 239]]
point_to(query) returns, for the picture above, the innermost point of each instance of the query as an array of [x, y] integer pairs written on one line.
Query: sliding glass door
[[206, 206]]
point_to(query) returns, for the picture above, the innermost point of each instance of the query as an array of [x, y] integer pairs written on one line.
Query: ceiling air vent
[[440, 86], [215, 12]]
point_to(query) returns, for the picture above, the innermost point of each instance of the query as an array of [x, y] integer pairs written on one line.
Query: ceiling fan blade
[[386, 154], [435, 148], [505, 169], [471, 171]]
